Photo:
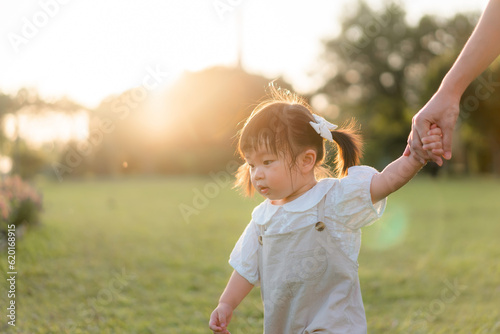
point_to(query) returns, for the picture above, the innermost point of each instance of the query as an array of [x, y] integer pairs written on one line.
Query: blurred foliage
[[202, 113], [20, 203], [479, 111], [27, 162], [376, 66]]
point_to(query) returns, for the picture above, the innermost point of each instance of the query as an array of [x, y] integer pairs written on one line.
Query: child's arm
[[401, 171], [237, 288]]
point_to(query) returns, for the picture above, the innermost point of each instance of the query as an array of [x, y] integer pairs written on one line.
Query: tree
[[195, 133], [376, 70], [479, 110]]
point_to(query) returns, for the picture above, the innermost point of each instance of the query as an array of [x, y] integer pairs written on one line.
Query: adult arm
[[443, 108]]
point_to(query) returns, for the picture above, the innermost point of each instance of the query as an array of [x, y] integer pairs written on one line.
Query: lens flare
[[390, 231]]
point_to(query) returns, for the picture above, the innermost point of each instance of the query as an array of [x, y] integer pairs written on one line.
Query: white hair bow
[[323, 127]]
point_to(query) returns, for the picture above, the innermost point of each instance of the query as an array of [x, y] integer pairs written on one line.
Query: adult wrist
[[451, 88]]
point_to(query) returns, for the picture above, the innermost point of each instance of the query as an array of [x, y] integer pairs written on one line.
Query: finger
[[222, 319], [447, 140], [436, 157], [406, 153], [213, 327], [216, 329], [432, 146], [438, 151], [420, 127], [416, 147], [425, 155], [436, 131], [447, 128], [214, 323], [431, 139]]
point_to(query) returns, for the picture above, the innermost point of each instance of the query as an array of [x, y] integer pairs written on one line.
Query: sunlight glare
[[155, 118], [47, 126]]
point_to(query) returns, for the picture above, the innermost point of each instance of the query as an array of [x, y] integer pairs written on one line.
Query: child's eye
[[251, 166], [267, 162]]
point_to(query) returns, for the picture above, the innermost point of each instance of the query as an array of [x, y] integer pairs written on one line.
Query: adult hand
[[442, 110]]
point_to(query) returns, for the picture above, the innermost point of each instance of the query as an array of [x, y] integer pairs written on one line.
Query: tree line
[[380, 70]]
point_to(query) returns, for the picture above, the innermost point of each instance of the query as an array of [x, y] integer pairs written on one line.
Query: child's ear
[[308, 160]]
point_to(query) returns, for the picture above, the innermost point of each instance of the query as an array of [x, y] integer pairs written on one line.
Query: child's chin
[[272, 198]]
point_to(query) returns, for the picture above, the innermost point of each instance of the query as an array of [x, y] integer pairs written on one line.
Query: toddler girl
[[302, 243]]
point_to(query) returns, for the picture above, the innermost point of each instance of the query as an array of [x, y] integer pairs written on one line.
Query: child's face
[[271, 175]]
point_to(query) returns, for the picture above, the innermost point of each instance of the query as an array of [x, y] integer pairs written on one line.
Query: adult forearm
[[236, 290], [478, 53]]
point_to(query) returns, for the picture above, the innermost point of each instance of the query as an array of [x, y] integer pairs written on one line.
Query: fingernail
[[447, 155]]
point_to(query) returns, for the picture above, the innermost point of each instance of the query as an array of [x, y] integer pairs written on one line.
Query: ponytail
[[349, 147]]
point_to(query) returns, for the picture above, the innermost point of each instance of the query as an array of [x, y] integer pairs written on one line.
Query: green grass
[[116, 256]]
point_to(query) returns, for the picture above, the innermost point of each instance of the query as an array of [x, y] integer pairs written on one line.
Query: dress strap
[[321, 210], [262, 229]]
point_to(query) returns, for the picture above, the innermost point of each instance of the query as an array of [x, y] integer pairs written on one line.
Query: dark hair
[[281, 125]]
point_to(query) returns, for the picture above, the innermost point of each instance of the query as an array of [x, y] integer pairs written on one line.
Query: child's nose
[[259, 174]]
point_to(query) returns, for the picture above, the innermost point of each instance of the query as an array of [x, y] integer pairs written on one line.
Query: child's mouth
[[264, 190]]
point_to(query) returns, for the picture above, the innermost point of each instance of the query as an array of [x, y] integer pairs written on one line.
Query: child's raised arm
[[237, 288], [401, 171]]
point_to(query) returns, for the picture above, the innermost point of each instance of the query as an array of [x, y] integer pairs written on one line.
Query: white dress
[[304, 256]]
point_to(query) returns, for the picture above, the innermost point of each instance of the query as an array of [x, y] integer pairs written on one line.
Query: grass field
[[117, 256]]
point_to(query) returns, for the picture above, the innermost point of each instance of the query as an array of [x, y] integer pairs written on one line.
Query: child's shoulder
[[357, 178], [361, 171], [355, 174]]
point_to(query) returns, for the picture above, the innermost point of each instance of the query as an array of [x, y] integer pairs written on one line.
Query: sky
[[87, 50]]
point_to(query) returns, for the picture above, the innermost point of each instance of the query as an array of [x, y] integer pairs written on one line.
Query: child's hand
[[220, 318], [434, 140]]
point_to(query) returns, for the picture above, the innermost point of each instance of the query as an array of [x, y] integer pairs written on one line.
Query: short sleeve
[[352, 201], [244, 258]]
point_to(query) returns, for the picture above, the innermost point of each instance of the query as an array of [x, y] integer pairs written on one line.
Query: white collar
[[266, 210]]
